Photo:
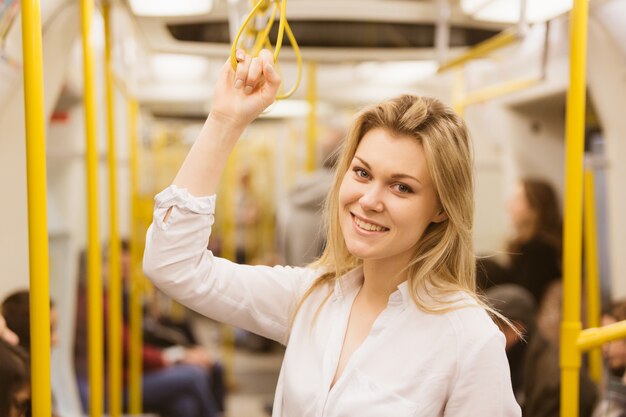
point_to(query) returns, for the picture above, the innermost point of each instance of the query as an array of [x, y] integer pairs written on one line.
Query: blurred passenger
[[177, 380], [387, 322], [247, 214], [516, 304], [14, 381], [613, 402], [304, 227], [7, 334], [16, 310], [534, 362], [543, 374], [535, 250], [490, 273]]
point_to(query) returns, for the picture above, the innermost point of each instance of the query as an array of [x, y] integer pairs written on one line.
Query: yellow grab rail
[[115, 278], [498, 41], [572, 239], [490, 93], [37, 202], [596, 337], [262, 37], [135, 363], [592, 279]]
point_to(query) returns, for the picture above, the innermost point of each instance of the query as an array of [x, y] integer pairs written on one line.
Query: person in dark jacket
[[535, 250]]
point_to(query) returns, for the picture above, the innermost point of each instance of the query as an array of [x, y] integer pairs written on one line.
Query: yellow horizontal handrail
[[597, 336], [489, 93], [502, 39]]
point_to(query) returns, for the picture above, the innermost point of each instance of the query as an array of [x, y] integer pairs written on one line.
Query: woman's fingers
[[269, 71], [243, 66], [255, 73]]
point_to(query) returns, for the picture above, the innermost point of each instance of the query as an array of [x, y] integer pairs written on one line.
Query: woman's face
[[6, 334], [386, 198], [615, 351], [520, 212]]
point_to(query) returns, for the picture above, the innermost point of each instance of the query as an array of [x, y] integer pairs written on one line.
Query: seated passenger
[[176, 381], [516, 304], [16, 310], [613, 403], [14, 381], [533, 354], [7, 334]]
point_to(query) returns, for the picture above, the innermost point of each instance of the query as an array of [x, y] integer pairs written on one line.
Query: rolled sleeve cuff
[[174, 196]]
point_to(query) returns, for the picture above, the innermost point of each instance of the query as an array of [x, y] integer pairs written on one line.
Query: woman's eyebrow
[[394, 176]]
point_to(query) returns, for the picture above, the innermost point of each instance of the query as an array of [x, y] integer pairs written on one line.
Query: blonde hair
[[443, 258]]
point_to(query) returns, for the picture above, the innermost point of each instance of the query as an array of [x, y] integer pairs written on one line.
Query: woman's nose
[[371, 200]]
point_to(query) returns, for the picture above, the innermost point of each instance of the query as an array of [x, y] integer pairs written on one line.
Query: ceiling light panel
[[508, 11], [171, 7]]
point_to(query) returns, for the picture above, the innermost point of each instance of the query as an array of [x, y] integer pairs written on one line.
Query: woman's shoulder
[[459, 314], [469, 320]]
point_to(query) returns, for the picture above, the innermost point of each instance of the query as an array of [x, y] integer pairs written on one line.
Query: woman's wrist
[[222, 120]]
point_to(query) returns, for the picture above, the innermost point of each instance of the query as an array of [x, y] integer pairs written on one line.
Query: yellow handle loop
[[262, 38]]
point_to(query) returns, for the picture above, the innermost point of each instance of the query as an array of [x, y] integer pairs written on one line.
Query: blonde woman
[[387, 321]]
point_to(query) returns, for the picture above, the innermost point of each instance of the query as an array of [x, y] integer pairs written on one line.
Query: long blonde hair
[[443, 257]]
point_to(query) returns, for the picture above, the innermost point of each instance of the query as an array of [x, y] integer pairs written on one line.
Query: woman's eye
[[403, 188], [361, 173]]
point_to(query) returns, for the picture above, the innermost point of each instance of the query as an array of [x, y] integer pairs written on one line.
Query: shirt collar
[[354, 279]]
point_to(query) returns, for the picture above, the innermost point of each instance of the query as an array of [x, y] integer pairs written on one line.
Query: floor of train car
[[255, 374]]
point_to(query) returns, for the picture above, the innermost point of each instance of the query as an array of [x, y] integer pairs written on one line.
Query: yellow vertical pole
[[37, 201], [592, 276], [94, 267], [135, 302], [311, 131], [115, 278], [572, 239]]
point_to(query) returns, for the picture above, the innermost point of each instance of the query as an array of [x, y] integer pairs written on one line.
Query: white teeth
[[368, 226]]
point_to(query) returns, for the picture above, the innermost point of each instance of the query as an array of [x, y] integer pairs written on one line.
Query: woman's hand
[[242, 95]]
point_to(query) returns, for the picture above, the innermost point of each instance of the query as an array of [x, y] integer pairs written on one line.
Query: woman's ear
[[440, 216]]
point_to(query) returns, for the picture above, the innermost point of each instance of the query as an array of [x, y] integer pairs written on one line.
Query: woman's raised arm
[[239, 98]]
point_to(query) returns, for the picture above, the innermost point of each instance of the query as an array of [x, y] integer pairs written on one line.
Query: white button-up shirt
[[412, 363]]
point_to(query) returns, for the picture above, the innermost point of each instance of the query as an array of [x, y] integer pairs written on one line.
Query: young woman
[[387, 322], [535, 250]]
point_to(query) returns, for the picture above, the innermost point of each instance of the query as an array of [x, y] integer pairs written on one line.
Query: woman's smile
[[367, 227]]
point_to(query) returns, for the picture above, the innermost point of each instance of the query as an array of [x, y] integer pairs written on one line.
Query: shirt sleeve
[[483, 383], [260, 299]]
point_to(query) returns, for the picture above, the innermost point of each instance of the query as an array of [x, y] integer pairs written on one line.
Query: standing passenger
[[535, 259], [387, 322]]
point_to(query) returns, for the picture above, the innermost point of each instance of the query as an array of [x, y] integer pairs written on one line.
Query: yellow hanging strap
[[37, 200], [262, 36], [115, 278]]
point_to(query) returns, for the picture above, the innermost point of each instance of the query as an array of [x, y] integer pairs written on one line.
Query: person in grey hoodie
[[304, 231]]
